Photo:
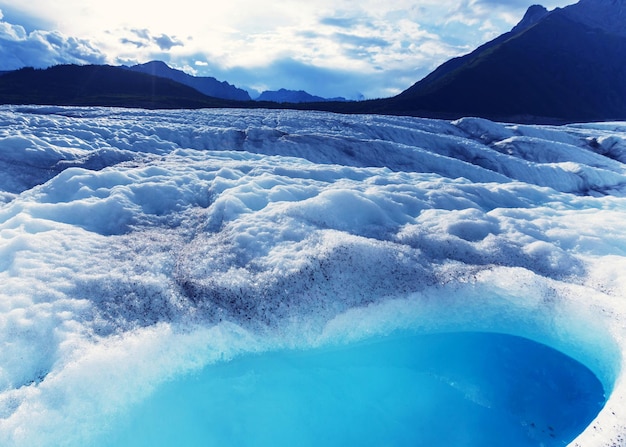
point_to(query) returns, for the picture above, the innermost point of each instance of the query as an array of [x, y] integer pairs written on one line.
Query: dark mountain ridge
[[553, 66], [99, 85], [293, 96], [208, 86]]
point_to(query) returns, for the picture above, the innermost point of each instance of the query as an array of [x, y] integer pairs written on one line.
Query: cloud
[[143, 34], [166, 43], [20, 48], [327, 82], [374, 55], [28, 22], [344, 22], [143, 38], [361, 41], [136, 43]]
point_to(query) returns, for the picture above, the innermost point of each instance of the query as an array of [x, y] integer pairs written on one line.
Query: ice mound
[[137, 247]]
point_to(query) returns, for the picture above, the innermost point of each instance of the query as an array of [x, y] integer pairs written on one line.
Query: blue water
[[456, 389]]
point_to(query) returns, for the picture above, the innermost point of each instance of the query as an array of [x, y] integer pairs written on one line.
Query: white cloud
[[18, 48]]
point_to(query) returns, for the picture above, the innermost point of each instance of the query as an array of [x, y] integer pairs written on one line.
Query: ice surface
[[139, 246]]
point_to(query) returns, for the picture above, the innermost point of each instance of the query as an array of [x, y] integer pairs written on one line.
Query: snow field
[[136, 247]]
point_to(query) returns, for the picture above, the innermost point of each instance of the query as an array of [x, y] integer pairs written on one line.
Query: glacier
[[146, 252]]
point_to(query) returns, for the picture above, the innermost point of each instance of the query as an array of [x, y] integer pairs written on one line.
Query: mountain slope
[[555, 66], [206, 85], [609, 15], [99, 85]]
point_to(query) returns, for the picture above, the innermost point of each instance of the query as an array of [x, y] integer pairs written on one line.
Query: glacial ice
[[138, 248]]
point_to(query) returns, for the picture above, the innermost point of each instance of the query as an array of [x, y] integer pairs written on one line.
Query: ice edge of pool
[[586, 327]]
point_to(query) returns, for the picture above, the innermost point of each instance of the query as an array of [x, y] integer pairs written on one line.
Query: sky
[[355, 49]]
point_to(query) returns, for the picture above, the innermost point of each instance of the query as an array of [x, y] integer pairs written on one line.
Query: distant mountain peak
[[159, 64], [607, 15], [293, 96], [533, 15], [206, 85]]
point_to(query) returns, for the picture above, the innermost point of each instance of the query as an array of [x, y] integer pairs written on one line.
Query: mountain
[[206, 85], [101, 85], [568, 64], [293, 96], [609, 15]]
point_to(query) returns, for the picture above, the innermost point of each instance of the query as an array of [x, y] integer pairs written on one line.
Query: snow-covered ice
[[137, 247]]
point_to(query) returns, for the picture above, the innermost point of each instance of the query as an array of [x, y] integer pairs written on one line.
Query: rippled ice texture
[[138, 246]]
